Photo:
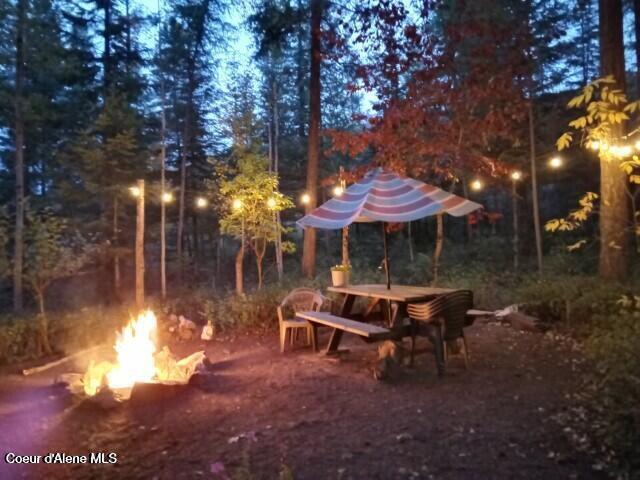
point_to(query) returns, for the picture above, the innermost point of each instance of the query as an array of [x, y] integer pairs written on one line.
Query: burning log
[[138, 367]]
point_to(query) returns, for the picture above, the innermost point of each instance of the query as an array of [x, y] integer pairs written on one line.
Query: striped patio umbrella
[[386, 197]]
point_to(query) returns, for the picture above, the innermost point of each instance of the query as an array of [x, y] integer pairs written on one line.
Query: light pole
[[237, 206], [515, 177], [138, 193]]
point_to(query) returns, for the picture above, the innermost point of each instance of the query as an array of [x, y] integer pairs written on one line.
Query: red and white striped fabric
[[386, 197]]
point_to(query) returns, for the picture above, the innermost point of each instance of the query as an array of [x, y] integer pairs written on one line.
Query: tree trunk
[[309, 245], [614, 205], [43, 325], [636, 16], [276, 167], [514, 206], [411, 256], [438, 249], [116, 255], [140, 248], [534, 185], [239, 270], [181, 206], [106, 55], [18, 251], [300, 77]]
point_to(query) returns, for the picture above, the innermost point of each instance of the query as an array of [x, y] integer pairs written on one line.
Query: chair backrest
[[427, 310], [456, 305], [302, 299]]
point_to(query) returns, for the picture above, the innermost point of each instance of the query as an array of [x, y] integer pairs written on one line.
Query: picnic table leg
[[314, 337], [334, 341], [347, 304]]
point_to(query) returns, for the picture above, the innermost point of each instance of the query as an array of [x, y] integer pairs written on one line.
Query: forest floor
[[263, 413]]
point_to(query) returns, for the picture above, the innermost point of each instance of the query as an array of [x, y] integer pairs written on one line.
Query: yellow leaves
[[588, 198], [632, 107], [634, 179], [575, 218], [578, 123], [577, 101], [559, 224], [576, 246], [564, 141]]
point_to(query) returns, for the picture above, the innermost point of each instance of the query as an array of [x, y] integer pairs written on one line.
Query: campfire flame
[[135, 348], [138, 360]]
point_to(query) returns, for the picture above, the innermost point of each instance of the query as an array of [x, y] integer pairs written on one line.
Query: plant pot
[[339, 278]]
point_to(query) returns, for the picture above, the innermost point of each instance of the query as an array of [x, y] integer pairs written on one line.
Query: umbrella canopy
[[386, 197]]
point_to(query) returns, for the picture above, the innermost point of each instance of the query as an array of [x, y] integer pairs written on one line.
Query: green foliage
[[68, 332], [612, 395], [4, 243], [51, 251]]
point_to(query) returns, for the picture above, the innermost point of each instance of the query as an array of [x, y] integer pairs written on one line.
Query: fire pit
[[138, 363]]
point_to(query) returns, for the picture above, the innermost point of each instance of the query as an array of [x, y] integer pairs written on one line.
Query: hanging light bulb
[[555, 162], [237, 204], [271, 203], [201, 202], [476, 185], [516, 175], [167, 197], [305, 198], [135, 191], [595, 145], [338, 191]]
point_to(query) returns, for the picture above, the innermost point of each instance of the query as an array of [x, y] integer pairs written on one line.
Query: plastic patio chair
[[443, 320], [300, 299]]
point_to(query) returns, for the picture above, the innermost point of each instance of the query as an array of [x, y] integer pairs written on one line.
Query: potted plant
[[340, 275]]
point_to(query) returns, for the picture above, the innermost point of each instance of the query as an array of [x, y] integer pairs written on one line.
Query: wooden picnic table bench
[[367, 331]]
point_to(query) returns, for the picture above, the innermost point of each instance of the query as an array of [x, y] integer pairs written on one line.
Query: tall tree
[[309, 246], [18, 253], [614, 209]]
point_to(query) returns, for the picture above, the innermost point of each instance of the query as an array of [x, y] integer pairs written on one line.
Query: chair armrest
[[280, 314]]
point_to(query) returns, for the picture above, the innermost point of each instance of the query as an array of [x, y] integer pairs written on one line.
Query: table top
[[397, 293]]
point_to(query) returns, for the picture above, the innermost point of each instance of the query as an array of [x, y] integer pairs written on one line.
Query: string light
[[305, 198], [338, 191], [237, 204], [595, 145], [271, 203], [516, 175], [637, 145], [167, 197], [476, 185], [135, 191], [201, 202], [555, 162]]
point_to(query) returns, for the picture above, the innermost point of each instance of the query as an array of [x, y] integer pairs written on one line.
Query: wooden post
[[140, 247], [438, 250], [514, 200], [534, 186], [345, 230]]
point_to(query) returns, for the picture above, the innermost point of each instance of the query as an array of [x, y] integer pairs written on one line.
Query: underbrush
[[68, 331], [605, 421]]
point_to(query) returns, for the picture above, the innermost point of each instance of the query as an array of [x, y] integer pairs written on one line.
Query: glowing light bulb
[[135, 191], [595, 145], [555, 162], [637, 145], [338, 191], [516, 175], [237, 204], [167, 197], [476, 185], [625, 151], [305, 198], [271, 203], [201, 202]]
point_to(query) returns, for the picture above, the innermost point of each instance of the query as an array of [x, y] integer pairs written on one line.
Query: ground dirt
[[261, 413]]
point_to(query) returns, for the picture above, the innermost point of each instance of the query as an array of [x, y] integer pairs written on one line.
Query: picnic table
[[377, 292], [344, 322]]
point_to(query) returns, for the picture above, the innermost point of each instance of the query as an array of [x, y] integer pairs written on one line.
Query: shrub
[[613, 394]]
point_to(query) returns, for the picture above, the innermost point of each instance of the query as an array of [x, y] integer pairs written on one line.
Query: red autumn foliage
[[447, 101]]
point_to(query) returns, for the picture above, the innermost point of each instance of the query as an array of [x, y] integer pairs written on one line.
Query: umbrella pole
[[386, 254]]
